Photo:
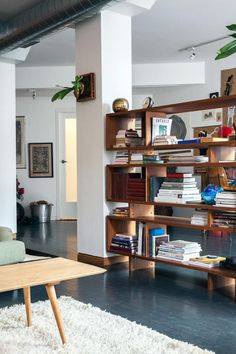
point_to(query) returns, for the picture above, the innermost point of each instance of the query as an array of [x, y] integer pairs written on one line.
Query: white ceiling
[[157, 34]]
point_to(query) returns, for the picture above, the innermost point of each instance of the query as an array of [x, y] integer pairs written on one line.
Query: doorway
[[67, 166]]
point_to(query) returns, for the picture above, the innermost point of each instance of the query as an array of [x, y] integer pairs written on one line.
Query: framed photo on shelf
[[20, 142], [40, 160]]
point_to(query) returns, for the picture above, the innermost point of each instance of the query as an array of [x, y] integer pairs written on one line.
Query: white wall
[[44, 76], [113, 79], [7, 147], [41, 124]]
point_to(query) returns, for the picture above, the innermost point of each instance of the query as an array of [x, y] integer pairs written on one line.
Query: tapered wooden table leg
[[27, 299], [55, 307]]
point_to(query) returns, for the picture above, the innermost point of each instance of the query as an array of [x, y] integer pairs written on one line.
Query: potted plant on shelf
[[77, 87]]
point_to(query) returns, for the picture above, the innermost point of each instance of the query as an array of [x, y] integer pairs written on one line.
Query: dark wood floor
[[175, 302]]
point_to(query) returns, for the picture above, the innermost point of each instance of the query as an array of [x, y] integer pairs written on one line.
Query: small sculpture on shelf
[[120, 104], [209, 193]]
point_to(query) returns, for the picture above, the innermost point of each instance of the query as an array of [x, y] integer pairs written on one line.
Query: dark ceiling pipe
[[44, 18]]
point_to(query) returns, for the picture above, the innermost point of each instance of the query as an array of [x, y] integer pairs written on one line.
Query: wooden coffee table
[[48, 272]]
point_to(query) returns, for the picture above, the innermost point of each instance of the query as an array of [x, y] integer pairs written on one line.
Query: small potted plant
[[41, 211], [77, 87]]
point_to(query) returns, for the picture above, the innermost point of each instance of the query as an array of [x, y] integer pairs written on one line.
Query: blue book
[[157, 231], [189, 141]]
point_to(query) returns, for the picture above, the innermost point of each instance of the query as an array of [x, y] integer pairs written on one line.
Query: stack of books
[[154, 186], [121, 157], [178, 188], [226, 199], [224, 219], [120, 138], [188, 159], [206, 261], [200, 217], [154, 158], [128, 137], [179, 250], [164, 140], [121, 211], [136, 158], [124, 242]]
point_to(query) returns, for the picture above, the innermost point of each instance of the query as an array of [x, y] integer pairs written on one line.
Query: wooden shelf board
[[177, 205], [176, 146], [215, 270], [193, 164], [196, 205], [198, 105], [171, 221], [133, 113]]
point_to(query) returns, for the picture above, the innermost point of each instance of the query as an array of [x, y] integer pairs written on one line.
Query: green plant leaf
[[226, 51], [233, 35], [231, 27], [61, 94]]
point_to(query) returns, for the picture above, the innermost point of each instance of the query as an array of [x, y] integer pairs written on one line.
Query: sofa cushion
[[5, 233], [12, 252]]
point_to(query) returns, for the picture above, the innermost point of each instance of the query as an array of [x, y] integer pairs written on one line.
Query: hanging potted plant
[[77, 87], [229, 48]]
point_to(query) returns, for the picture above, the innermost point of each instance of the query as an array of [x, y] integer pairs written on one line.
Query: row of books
[[145, 158], [128, 186], [138, 244], [161, 248], [178, 188], [226, 199], [224, 219]]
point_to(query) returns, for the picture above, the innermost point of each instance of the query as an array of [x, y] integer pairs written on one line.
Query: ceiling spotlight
[[193, 54]]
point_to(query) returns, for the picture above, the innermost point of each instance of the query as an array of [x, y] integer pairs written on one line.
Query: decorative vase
[[79, 92], [120, 104]]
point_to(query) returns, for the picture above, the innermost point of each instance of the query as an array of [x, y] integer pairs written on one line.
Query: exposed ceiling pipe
[[46, 17]]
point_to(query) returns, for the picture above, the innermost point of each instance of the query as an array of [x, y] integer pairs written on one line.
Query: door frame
[[59, 113]]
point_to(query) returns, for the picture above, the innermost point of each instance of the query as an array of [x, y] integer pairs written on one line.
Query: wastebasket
[[41, 212]]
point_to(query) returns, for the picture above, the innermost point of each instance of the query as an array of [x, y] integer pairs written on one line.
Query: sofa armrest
[[12, 252], [5, 234]]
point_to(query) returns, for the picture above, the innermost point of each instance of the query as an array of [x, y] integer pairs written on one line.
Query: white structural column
[[7, 146], [103, 46]]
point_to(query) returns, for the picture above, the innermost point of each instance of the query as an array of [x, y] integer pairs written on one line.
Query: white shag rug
[[89, 330]]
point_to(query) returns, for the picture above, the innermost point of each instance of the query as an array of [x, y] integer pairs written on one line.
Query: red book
[[179, 175]]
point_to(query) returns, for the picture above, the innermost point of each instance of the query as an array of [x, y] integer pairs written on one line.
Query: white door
[[67, 166]]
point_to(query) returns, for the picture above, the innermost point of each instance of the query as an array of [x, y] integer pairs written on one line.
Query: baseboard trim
[[100, 261]]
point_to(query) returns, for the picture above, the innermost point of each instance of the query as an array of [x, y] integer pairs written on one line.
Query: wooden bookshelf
[[143, 210]]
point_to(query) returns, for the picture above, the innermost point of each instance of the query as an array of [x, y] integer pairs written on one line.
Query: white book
[[140, 238]]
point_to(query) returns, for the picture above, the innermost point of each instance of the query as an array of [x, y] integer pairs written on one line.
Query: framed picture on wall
[[20, 142], [40, 160]]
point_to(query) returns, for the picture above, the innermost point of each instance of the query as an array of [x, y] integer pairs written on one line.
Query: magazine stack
[[179, 250], [179, 188]]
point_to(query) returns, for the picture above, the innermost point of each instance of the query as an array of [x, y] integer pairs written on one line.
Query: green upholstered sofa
[[11, 251]]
